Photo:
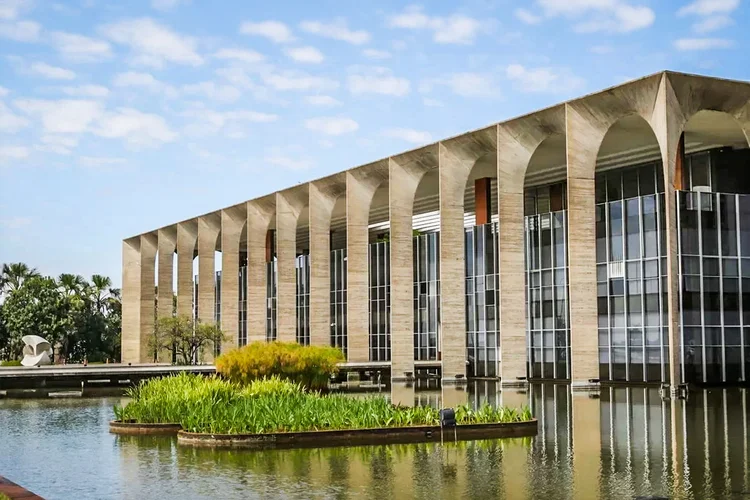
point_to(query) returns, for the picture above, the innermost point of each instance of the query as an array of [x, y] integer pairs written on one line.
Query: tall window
[[380, 301], [482, 339], [338, 299], [302, 269], [426, 296]]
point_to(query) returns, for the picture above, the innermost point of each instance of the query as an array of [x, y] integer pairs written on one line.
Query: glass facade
[[242, 308], [302, 270], [338, 299], [271, 301], [217, 308], [426, 296], [631, 274], [547, 314], [482, 336], [380, 301]]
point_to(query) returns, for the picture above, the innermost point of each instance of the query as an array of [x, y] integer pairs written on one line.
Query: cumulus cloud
[[101, 162], [305, 55], [288, 163], [153, 44], [527, 16], [712, 23], [589, 16], [64, 116], [58, 144], [322, 100], [709, 7], [453, 29], [275, 31], [331, 125], [51, 72], [687, 44], [241, 55], [377, 81], [294, 80], [137, 129], [166, 4], [11, 9], [10, 153], [337, 30], [547, 80], [376, 54], [465, 84], [408, 135], [10, 122], [206, 122], [79, 48], [211, 90], [86, 91], [144, 80], [3, 91], [20, 31]]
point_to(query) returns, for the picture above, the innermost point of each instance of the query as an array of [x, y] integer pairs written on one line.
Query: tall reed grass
[[274, 405]]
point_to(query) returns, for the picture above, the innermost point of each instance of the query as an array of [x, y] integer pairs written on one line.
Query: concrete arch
[[233, 223], [261, 214], [187, 241], [405, 173], [323, 195], [361, 185]]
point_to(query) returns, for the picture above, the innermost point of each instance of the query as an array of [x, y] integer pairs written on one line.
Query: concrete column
[[361, 185], [208, 234], [167, 246], [138, 302], [405, 172], [322, 198], [232, 221], [260, 213], [584, 136], [289, 205], [187, 238]]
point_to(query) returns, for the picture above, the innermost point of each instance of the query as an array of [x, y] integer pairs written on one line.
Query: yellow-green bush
[[311, 366], [13, 362]]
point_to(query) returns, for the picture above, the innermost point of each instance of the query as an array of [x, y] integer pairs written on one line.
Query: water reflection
[[621, 443]]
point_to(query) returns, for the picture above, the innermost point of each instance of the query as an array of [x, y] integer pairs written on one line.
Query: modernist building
[[605, 238]]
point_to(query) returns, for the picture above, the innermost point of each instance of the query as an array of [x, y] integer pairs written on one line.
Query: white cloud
[[153, 44], [14, 222], [80, 48], [330, 125], [376, 54], [3, 91], [457, 28], [166, 4], [275, 31], [377, 81], [206, 122], [708, 7], [408, 135], [702, 43], [10, 9], [288, 163], [241, 55], [101, 162], [58, 144], [712, 23], [64, 116], [337, 29], [136, 128], [543, 79], [614, 16], [216, 92], [10, 122], [292, 80], [52, 72], [432, 103], [527, 16], [20, 31], [465, 84], [305, 55], [322, 100], [86, 91], [144, 80], [9, 153]]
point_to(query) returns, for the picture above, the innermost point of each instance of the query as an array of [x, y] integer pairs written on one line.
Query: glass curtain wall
[[714, 246], [242, 308], [481, 300], [338, 299], [217, 308], [547, 315], [426, 296], [380, 301], [271, 288], [631, 274], [302, 269]]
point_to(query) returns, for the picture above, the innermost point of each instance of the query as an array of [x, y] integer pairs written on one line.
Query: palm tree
[[101, 290], [72, 284], [13, 276]]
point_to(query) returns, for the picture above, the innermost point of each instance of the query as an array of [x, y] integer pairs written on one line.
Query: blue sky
[[120, 117]]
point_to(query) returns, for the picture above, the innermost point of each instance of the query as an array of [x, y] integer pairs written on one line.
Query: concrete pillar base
[[511, 383], [584, 386]]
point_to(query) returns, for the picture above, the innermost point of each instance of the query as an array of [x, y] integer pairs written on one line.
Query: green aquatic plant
[[216, 405]]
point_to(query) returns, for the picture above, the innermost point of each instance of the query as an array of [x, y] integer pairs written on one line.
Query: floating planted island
[[271, 411]]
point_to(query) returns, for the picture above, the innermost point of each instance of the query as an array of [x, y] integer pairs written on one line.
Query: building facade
[[603, 239]]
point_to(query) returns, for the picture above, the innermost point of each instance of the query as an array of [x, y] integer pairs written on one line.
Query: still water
[[624, 443]]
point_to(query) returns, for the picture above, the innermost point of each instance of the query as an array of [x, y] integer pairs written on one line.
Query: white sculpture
[[36, 352]]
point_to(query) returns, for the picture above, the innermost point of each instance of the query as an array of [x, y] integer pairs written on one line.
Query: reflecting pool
[[622, 443]]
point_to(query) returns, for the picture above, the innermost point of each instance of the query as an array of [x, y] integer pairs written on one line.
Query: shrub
[[311, 366], [12, 362]]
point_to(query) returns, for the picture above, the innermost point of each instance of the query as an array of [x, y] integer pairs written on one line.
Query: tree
[[4, 336], [13, 276], [185, 338]]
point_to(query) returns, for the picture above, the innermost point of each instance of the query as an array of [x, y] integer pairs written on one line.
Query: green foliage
[[311, 366], [11, 362], [79, 319], [185, 338], [219, 406]]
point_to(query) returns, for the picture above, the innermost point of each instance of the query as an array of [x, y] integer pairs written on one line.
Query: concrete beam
[[361, 185], [260, 213], [232, 221], [187, 239], [289, 206]]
